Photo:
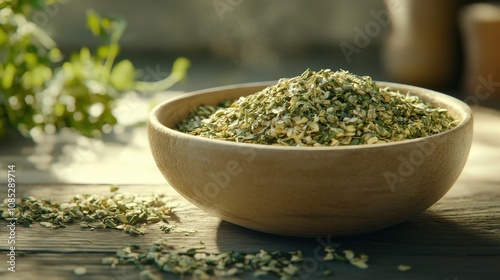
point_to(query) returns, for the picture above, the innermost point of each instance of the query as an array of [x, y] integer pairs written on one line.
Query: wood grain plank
[[61, 266], [458, 237]]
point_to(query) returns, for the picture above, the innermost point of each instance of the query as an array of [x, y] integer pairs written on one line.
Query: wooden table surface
[[457, 238]]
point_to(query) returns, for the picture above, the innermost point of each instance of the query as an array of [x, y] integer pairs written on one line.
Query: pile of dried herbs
[[204, 265], [119, 211], [323, 108], [130, 213]]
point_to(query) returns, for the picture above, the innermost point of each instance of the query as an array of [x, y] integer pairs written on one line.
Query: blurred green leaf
[[85, 55], [179, 70], [31, 60], [4, 38], [55, 55], [40, 4], [102, 52], [106, 23], [8, 75], [59, 110], [41, 74], [78, 93], [94, 22], [123, 75], [180, 67]]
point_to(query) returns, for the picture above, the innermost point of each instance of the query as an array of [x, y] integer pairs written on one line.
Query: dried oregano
[[323, 108], [206, 265], [119, 211], [130, 213]]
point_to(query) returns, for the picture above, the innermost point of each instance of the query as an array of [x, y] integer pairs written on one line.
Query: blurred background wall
[[235, 28], [231, 41]]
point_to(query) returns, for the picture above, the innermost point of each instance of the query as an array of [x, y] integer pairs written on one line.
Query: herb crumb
[[404, 267]]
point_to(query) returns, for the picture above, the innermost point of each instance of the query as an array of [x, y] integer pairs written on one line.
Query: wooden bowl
[[308, 191]]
